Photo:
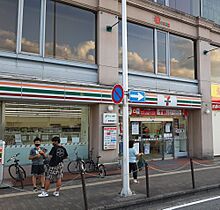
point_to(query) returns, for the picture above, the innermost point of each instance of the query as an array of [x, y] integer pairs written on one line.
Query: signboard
[[109, 138], [135, 128], [109, 118], [158, 21], [117, 94], [156, 112], [166, 100], [137, 96], [216, 106]]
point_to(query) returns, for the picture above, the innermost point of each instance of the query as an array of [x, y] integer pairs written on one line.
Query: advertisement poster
[[109, 138], [135, 128]]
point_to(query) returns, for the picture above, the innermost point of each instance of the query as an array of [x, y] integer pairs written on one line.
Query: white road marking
[[193, 203], [107, 182]]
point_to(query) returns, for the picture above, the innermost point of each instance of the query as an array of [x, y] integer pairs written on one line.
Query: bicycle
[[91, 166], [16, 171], [75, 166]]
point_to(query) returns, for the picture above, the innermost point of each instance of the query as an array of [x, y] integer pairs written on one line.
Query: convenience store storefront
[[162, 133], [160, 124], [47, 110]]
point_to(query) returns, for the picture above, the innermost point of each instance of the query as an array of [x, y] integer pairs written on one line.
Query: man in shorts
[[37, 155], [55, 170]]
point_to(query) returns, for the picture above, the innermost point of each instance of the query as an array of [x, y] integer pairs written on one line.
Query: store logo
[[166, 100], [158, 21]]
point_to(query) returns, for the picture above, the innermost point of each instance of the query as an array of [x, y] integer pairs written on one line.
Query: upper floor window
[[215, 65], [182, 57], [70, 33], [140, 47], [188, 6], [31, 26], [211, 10], [161, 52], [158, 52], [8, 24]]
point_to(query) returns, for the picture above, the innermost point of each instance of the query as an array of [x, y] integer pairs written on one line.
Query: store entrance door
[[157, 138]]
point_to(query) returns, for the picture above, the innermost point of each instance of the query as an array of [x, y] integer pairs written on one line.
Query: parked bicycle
[[75, 166], [91, 166], [16, 171]]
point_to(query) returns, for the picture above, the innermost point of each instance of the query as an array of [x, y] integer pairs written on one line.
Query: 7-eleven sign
[[166, 100]]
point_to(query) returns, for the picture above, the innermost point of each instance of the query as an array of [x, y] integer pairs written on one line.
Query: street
[[199, 201]]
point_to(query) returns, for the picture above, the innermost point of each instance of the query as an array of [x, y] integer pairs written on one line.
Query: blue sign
[[117, 94], [137, 96]]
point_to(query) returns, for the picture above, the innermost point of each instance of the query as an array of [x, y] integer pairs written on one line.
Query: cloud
[[7, 40], [136, 62], [84, 51], [29, 46]]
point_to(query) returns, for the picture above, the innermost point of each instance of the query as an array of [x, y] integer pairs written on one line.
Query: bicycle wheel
[[102, 171], [13, 172], [73, 167], [90, 166]]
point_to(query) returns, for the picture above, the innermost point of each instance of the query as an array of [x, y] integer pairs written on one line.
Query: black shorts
[[37, 170]]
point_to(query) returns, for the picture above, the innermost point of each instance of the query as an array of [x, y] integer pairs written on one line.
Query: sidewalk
[[165, 181]]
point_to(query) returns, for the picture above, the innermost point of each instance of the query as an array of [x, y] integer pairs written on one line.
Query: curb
[[127, 202]]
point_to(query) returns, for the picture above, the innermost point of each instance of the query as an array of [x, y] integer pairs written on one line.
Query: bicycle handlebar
[[13, 157]]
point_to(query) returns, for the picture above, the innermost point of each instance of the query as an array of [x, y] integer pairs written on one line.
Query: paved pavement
[[167, 178]]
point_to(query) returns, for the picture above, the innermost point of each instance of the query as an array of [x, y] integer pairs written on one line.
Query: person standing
[[55, 170], [133, 154], [37, 155]]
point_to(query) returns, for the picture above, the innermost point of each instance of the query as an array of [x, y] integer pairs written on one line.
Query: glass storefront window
[[70, 33], [182, 58], [8, 24], [161, 52], [140, 47], [24, 122], [31, 26], [215, 65]]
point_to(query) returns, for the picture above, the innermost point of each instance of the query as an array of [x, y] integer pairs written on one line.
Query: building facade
[[59, 63]]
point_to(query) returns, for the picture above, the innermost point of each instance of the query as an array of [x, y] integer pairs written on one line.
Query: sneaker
[[43, 195], [35, 189], [136, 181], [56, 193]]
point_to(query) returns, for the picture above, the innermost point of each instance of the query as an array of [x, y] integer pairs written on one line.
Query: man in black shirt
[[55, 169]]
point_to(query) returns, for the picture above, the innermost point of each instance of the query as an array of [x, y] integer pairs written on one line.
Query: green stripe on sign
[[189, 102], [11, 89], [150, 99], [83, 94], [28, 90]]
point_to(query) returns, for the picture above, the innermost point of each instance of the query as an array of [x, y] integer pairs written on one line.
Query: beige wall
[[96, 130]]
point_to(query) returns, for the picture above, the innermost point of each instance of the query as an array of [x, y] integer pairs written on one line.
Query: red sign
[[143, 112], [158, 21], [156, 112], [117, 94], [215, 106]]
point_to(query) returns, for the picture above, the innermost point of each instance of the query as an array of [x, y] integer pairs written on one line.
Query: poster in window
[[109, 138], [135, 128]]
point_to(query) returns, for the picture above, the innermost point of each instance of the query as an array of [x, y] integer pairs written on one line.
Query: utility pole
[[125, 173]]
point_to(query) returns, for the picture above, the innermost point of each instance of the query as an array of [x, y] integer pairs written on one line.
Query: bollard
[[192, 173], [147, 179], [82, 173]]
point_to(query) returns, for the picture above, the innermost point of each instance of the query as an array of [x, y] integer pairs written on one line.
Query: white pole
[[125, 173]]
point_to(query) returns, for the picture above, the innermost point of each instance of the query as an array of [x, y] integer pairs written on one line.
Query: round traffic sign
[[117, 94]]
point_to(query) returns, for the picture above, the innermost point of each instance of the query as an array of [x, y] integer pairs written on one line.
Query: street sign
[[117, 94], [137, 96]]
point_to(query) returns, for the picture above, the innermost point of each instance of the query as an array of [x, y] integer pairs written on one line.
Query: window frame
[[41, 32]]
